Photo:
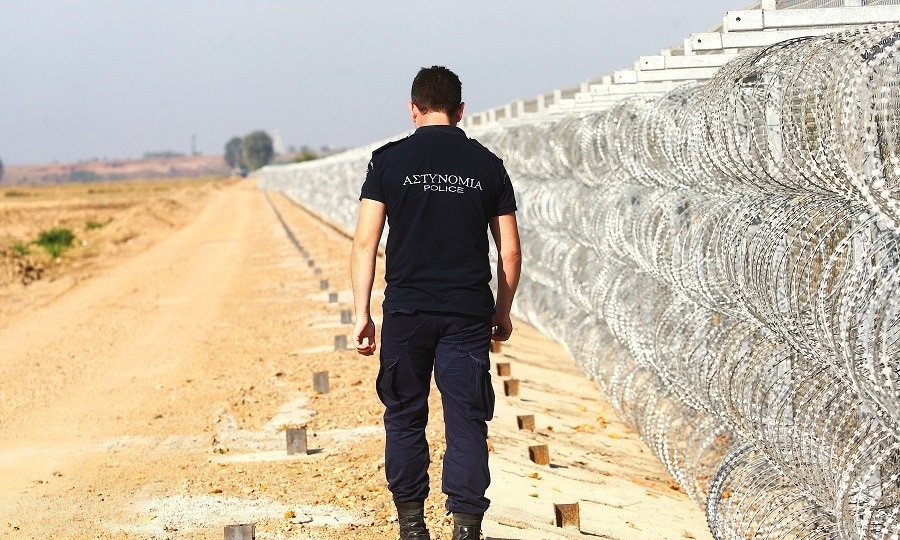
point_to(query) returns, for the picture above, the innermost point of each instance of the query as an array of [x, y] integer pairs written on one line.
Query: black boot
[[466, 526], [411, 516]]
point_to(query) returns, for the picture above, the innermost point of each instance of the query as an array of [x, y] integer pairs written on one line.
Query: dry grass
[[105, 218]]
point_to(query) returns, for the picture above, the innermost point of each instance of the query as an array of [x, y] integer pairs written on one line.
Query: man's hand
[[501, 327], [364, 336]]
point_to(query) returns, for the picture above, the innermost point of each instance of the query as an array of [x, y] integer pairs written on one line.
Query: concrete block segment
[[296, 441], [539, 454], [525, 421], [567, 516], [320, 381], [246, 531]]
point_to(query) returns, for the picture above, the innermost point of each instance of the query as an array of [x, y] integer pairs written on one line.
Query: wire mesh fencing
[[724, 261]]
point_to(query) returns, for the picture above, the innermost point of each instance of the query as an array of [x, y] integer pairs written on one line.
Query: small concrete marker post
[[320, 382], [311, 263], [539, 454], [332, 298], [568, 516], [346, 316], [511, 387], [340, 343], [296, 440], [246, 531], [323, 284], [525, 421], [496, 347], [503, 369]]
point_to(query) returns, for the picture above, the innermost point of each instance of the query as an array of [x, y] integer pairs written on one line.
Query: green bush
[[55, 241], [305, 154], [91, 224], [20, 248]]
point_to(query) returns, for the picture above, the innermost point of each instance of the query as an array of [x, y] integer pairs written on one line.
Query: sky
[[95, 79]]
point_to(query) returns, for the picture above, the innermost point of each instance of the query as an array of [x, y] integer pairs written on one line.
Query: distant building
[[277, 143]]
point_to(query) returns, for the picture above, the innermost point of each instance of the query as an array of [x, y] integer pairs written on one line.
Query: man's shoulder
[[385, 147], [482, 148]]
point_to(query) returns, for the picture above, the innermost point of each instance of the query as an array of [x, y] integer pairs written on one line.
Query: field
[[148, 373], [107, 220], [116, 170]]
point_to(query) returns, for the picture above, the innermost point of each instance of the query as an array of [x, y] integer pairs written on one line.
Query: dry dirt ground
[[145, 386]]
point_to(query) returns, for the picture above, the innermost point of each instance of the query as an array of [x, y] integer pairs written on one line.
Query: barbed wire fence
[[724, 261]]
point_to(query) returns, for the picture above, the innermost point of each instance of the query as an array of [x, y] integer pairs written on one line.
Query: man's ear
[[458, 115], [414, 112]]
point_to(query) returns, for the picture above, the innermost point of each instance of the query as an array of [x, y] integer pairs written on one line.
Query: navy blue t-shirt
[[440, 189]]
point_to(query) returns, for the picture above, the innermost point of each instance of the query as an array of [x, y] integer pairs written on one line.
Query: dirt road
[[148, 402]]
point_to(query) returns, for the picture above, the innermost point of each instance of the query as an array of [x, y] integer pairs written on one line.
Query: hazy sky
[[115, 78]]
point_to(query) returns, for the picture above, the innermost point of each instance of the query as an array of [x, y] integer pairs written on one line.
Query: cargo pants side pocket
[[386, 383], [482, 398]]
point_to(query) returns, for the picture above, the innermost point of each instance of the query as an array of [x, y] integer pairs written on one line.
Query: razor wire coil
[[724, 261]]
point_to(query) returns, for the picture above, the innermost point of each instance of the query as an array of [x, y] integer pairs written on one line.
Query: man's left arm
[[362, 271], [505, 231]]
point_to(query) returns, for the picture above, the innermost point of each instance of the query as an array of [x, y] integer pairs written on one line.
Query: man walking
[[440, 192]]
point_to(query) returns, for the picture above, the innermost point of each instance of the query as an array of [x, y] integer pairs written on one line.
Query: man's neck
[[433, 118]]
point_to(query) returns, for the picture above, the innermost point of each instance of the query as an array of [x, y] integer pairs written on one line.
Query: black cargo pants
[[455, 347]]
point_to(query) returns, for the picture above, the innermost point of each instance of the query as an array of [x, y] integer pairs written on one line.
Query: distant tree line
[[256, 150], [165, 154], [1, 170], [79, 175], [250, 152]]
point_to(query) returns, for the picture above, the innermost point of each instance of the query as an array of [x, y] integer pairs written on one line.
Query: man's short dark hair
[[436, 89]]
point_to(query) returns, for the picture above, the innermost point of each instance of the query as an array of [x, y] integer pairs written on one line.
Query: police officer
[[441, 193]]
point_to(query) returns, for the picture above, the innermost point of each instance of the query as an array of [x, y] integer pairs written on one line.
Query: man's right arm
[[505, 231], [362, 271]]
